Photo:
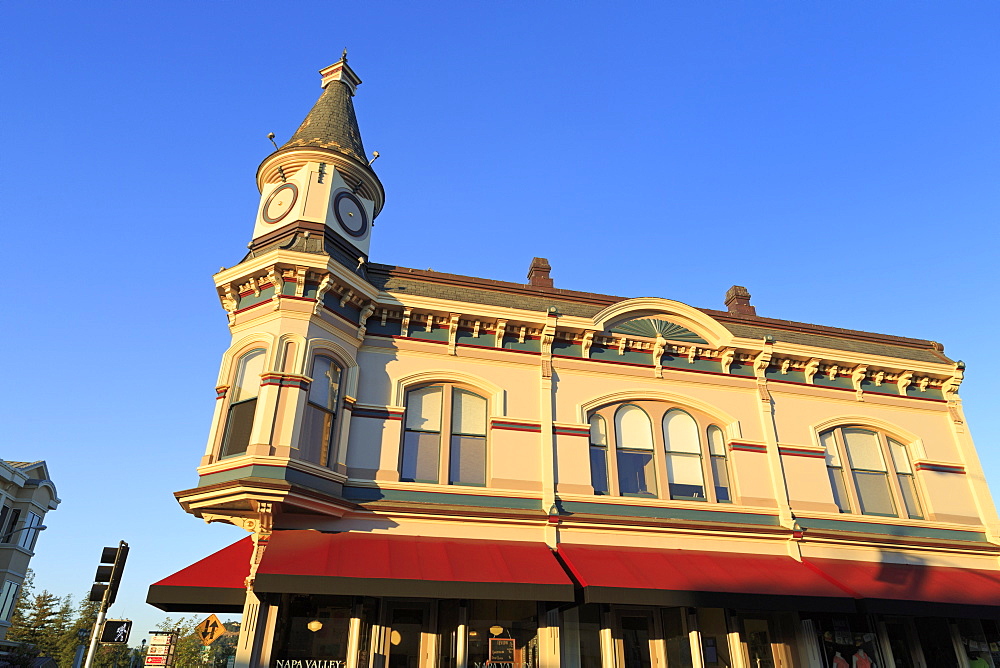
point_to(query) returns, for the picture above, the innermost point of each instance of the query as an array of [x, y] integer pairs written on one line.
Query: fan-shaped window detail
[[653, 327], [422, 458], [685, 474], [685, 449], [870, 473], [634, 441], [242, 403], [599, 454]]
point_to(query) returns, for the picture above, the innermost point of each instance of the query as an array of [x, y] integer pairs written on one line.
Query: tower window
[[242, 403], [318, 435]]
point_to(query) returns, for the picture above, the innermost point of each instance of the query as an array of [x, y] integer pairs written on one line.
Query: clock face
[[350, 214], [280, 203]]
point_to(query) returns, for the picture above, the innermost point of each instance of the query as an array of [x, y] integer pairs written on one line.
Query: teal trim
[[682, 364], [840, 381], [349, 311], [368, 494], [738, 369], [931, 393], [436, 333], [288, 288], [669, 513], [253, 300], [611, 355], [291, 475], [390, 328], [793, 376], [567, 348], [484, 339], [310, 290], [893, 530], [529, 345]]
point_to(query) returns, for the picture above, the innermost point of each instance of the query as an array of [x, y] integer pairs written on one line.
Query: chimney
[[538, 273], [738, 301]]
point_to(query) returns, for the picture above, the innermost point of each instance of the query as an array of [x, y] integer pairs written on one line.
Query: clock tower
[[318, 191]]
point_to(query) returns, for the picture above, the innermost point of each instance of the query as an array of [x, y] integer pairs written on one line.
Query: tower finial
[[343, 56]]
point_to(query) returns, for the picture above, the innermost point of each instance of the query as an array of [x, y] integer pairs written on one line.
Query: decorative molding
[[586, 343], [453, 321], [300, 280], [346, 297], [548, 336], [500, 332], [801, 451], [904, 381], [812, 367], [324, 287], [363, 320], [728, 355], [571, 430], [740, 446], [938, 467], [658, 348], [516, 425], [277, 282]]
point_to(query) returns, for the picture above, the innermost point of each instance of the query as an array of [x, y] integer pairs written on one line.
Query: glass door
[[637, 642], [408, 641], [757, 637]]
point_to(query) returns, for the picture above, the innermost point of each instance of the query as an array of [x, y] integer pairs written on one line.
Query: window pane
[[317, 435], [839, 489], [27, 539], [873, 492], [8, 596], [468, 460], [635, 473], [685, 477], [247, 382], [423, 409], [598, 431], [325, 383], [900, 458], [468, 413], [633, 428], [829, 442], [863, 449], [420, 457], [721, 474], [238, 425], [909, 487], [716, 441], [599, 469], [680, 432]]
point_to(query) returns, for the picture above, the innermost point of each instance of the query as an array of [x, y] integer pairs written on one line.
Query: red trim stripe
[[748, 447], [939, 468]]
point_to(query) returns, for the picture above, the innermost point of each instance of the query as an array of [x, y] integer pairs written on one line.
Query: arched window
[[685, 475], [242, 403], [599, 455], [425, 429], [318, 435], [870, 473], [686, 448], [634, 447]]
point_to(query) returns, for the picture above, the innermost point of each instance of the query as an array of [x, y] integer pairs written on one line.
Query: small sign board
[[155, 661], [160, 650], [162, 638], [501, 650], [210, 630], [116, 630]]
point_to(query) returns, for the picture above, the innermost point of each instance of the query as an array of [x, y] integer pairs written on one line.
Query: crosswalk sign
[[116, 631], [210, 630]]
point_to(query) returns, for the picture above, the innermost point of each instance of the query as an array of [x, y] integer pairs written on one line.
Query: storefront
[[379, 601]]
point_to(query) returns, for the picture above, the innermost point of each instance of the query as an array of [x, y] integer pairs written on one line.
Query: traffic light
[[109, 574]]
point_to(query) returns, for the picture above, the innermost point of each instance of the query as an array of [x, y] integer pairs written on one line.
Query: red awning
[[311, 562], [217, 583], [915, 588], [696, 578]]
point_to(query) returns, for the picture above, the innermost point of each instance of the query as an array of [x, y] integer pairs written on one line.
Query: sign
[[116, 630], [156, 661], [161, 649], [210, 630], [501, 650]]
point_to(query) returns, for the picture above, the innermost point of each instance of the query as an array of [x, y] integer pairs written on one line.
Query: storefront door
[[757, 635], [637, 643], [408, 638]]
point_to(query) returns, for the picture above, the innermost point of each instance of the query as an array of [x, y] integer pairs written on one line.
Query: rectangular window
[[635, 473], [467, 457], [907, 483], [30, 533], [836, 472], [685, 477], [12, 517], [422, 440], [720, 468], [599, 469], [8, 596], [870, 475]]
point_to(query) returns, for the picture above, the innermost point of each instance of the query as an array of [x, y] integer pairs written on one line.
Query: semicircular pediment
[[674, 321]]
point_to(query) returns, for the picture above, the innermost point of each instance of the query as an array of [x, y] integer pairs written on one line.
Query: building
[[440, 470], [26, 494]]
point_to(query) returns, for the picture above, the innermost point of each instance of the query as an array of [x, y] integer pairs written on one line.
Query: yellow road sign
[[210, 630]]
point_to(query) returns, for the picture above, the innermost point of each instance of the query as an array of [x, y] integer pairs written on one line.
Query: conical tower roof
[[331, 124]]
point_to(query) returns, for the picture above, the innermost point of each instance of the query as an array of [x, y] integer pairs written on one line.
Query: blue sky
[[838, 159]]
